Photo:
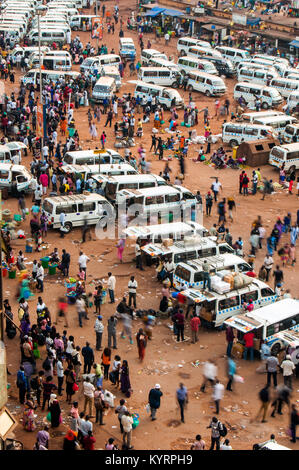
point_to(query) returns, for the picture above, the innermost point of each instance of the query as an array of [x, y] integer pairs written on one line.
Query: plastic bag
[[238, 379], [75, 387], [48, 417], [135, 417], [148, 408]]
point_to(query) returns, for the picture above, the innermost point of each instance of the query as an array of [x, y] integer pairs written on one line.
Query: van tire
[[175, 85], [275, 349], [208, 93], [68, 226], [190, 88], [75, 28], [233, 143], [182, 53], [265, 105], [291, 169]]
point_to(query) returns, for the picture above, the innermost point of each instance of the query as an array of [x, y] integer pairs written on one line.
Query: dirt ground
[[166, 361]]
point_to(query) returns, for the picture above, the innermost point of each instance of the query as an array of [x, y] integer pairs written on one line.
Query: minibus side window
[[183, 273], [229, 302], [4, 174], [249, 295], [179, 257], [198, 277], [87, 207], [190, 255]]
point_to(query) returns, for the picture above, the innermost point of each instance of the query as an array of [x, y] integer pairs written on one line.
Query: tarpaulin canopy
[[155, 11], [170, 12], [253, 21], [294, 43]]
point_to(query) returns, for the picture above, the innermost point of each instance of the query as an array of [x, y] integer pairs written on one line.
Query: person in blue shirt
[[21, 384], [265, 351], [182, 399], [231, 370]]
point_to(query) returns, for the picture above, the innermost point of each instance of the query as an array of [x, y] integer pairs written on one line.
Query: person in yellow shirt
[[258, 173]]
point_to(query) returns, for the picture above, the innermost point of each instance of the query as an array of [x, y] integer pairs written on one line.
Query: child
[[109, 445]]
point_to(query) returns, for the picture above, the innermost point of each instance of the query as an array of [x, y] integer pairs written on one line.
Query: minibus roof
[[88, 153], [162, 229], [65, 200], [157, 249], [273, 313], [137, 177], [216, 261], [148, 192], [289, 147], [273, 119]]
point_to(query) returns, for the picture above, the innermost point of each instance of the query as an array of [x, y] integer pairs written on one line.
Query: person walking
[[80, 305], [106, 361], [99, 329], [127, 422], [132, 286], [22, 384], [154, 400], [138, 255], [268, 263], [278, 276], [65, 263], [60, 374], [82, 262], [209, 203], [216, 186], [111, 287], [141, 339], [294, 421], [88, 356], [248, 338], [216, 426], [112, 322], [231, 370], [209, 374], [40, 274], [288, 368], [218, 392], [88, 392], [271, 367], [182, 399], [264, 397], [99, 405]]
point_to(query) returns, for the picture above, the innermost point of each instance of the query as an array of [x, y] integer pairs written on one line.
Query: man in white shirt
[[268, 263], [218, 392], [40, 274], [287, 370], [111, 287], [216, 186], [82, 261], [209, 374], [169, 266], [88, 391], [138, 255], [45, 152], [60, 375], [132, 285], [127, 422], [62, 222], [80, 305]]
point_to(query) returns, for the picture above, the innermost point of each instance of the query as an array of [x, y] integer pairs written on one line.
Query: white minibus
[[78, 22], [184, 43], [175, 231], [234, 133], [48, 76], [293, 101], [278, 123], [259, 76], [266, 322], [147, 54], [205, 83], [285, 154], [268, 95], [108, 60], [127, 48], [249, 117], [190, 273], [233, 54], [113, 184], [166, 97], [291, 133], [213, 308], [93, 157], [104, 88], [285, 86], [204, 52], [189, 64], [113, 72], [160, 76]]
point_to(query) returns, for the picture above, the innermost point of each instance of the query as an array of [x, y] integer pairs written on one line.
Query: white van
[[104, 88], [77, 22], [113, 184], [291, 133], [250, 117], [235, 133], [260, 76], [93, 157], [204, 52], [52, 62], [293, 101], [15, 177], [190, 248], [147, 54], [11, 32], [266, 322], [285, 154], [160, 76], [285, 86], [247, 63], [127, 48], [233, 54], [278, 123], [272, 58], [205, 83], [77, 209], [48, 36], [48, 76], [90, 64], [108, 60], [158, 62], [175, 231], [100, 173], [268, 95], [10, 149], [162, 202], [113, 72], [166, 97], [184, 43], [190, 273], [27, 51], [189, 64], [213, 308]]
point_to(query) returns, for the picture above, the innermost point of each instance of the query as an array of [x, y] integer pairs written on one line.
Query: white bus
[[205, 83], [184, 43], [175, 231], [160, 76], [233, 54], [291, 133], [287, 154], [189, 64], [278, 123], [285, 86], [235, 133], [268, 95]]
